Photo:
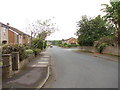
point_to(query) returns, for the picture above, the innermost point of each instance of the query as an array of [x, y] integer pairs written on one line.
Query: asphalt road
[[79, 70]]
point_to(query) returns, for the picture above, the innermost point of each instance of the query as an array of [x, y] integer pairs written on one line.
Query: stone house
[[10, 34]]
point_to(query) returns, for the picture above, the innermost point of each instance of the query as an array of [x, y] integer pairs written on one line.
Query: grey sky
[[66, 12]]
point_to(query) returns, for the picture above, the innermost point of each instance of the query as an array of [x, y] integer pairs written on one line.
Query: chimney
[[8, 24]]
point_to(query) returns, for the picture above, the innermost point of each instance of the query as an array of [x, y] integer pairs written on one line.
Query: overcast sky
[[65, 12]]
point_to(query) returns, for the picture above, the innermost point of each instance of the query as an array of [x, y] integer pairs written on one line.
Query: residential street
[[79, 70]]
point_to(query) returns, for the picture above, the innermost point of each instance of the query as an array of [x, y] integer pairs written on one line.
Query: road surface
[[79, 70]]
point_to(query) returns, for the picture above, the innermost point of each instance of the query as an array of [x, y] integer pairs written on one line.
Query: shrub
[[26, 46], [104, 42], [8, 49], [66, 45], [73, 45], [61, 45], [1, 63], [29, 51], [37, 43], [45, 45], [101, 46], [36, 51]]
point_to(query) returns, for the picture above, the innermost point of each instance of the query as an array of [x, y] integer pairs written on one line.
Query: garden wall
[[12, 65], [26, 61], [111, 50], [87, 48], [108, 50]]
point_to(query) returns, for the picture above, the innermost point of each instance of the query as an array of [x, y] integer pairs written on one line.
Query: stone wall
[[108, 50], [25, 61], [12, 65], [111, 50], [7, 66], [87, 48]]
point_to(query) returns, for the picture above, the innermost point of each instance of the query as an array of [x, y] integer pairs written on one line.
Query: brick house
[[3, 34], [10, 34], [70, 41], [26, 39]]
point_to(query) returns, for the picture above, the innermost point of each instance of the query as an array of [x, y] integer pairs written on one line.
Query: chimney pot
[[8, 24]]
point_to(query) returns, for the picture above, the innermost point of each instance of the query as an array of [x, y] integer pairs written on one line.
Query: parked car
[[51, 46]]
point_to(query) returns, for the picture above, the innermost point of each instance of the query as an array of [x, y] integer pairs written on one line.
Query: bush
[[101, 46], [66, 45], [37, 43], [8, 49], [29, 51], [73, 45], [45, 45], [104, 42], [36, 51], [1, 63], [61, 45], [26, 46]]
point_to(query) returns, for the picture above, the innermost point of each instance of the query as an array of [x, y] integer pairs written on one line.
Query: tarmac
[[33, 76]]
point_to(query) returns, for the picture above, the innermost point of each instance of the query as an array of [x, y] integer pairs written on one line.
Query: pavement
[[71, 69], [33, 76]]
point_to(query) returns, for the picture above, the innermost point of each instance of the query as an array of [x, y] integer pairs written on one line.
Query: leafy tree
[[92, 29], [38, 45], [113, 15]]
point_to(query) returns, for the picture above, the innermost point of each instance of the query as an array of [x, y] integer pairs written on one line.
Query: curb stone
[[47, 77], [45, 80]]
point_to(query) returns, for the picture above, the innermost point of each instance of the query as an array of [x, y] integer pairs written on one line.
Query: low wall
[[26, 61], [108, 50], [111, 50], [31, 57], [87, 48], [8, 70], [7, 66], [22, 63]]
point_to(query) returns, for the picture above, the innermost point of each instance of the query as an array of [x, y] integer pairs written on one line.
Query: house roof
[[68, 39], [14, 29]]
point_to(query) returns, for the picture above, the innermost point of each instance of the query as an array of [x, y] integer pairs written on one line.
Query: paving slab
[[31, 77]]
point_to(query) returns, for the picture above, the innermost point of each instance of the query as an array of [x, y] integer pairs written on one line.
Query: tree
[[113, 15], [92, 29], [41, 29]]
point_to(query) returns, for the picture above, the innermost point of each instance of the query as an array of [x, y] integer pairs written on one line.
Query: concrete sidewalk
[[34, 74]]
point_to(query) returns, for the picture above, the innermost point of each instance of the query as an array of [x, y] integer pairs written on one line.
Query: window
[[3, 29]]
